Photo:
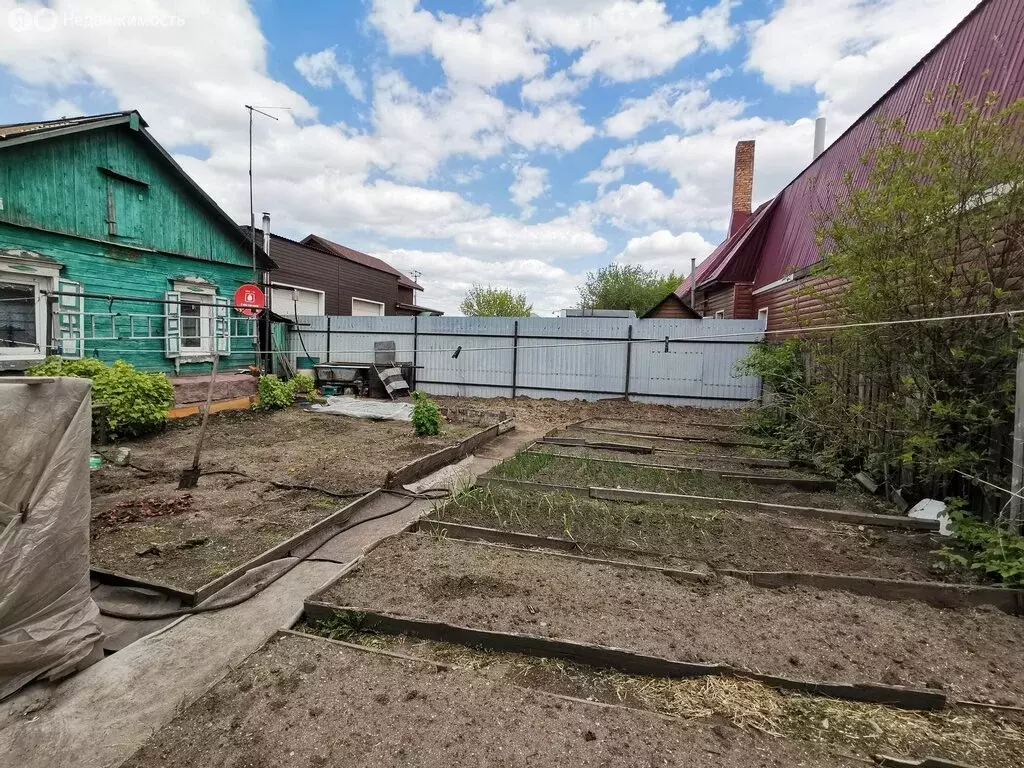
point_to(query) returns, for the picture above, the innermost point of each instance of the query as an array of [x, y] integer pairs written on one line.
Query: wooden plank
[[432, 462], [618, 658], [801, 483], [234, 404], [676, 573], [841, 516], [751, 442], [937, 594]]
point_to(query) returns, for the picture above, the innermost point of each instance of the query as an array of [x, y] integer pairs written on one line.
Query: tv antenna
[[252, 211]]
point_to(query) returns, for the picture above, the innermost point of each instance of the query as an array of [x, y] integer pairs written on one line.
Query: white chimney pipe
[[819, 137], [266, 233]]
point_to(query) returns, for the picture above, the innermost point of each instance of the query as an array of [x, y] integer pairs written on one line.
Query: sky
[[512, 143]]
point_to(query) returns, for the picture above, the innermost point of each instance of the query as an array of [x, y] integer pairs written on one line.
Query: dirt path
[[698, 539], [811, 634], [308, 702]]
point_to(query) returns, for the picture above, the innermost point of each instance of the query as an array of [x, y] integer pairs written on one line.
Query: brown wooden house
[[320, 277], [768, 266]]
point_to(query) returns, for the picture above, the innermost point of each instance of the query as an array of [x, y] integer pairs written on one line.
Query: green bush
[[274, 394], [138, 402], [991, 550], [302, 384], [426, 416]]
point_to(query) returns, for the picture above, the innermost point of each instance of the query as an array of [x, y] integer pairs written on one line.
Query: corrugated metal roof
[[983, 54], [21, 129], [315, 241], [712, 266]]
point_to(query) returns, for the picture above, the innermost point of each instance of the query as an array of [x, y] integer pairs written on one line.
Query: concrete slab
[[100, 717]]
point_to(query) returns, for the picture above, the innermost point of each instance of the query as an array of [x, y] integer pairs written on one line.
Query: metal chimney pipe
[[819, 137], [266, 233], [693, 282]]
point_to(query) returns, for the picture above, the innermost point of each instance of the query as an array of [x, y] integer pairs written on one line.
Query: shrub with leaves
[[426, 416], [302, 384], [138, 402], [274, 394], [988, 549]]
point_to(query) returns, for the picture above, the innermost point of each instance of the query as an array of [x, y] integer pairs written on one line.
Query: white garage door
[[364, 307], [290, 302]]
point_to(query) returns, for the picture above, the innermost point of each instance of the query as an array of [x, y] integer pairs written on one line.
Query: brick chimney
[[742, 185]]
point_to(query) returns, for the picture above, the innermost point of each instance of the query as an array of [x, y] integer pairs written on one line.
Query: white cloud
[[446, 278], [665, 252], [484, 51], [559, 86], [322, 70], [686, 105], [62, 108], [619, 39], [553, 126], [604, 176], [530, 183], [850, 51], [701, 165]]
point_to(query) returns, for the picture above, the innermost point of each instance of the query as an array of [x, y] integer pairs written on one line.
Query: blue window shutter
[[172, 324], [70, 318], [222, 325]]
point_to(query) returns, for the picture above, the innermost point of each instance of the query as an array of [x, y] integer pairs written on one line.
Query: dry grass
[[971, 736]]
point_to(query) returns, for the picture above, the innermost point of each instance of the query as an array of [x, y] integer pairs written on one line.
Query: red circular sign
[[249, 299]]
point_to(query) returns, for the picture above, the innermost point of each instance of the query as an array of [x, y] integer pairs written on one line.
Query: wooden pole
[[1017, 477], [190, 477]]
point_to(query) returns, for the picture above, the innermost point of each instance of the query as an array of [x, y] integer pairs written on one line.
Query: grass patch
[[966, 735]]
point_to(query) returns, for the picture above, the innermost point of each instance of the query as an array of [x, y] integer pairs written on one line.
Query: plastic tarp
[[362, 408], [49, 623]]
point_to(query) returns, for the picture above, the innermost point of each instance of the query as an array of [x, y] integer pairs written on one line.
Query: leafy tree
[[486, 301], [929, 224], [626, 286]]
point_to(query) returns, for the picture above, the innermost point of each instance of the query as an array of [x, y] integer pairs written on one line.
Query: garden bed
[[672, 444], [717, 463], [694, 537], [303, 701], [803, 634], [696, 428], [581, 473], [997, 738], [144, 528]]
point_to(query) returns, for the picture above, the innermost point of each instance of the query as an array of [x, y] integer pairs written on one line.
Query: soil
[[670, 445], [558, 470], [549, 413], [309, 702], [145, 527], [997, 738], [699, 539], [800, 633]]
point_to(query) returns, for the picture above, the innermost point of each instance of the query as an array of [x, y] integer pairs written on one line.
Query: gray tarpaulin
[[364, 408], [48, 621]]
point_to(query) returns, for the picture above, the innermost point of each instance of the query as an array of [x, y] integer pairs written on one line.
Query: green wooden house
[[108, 249]]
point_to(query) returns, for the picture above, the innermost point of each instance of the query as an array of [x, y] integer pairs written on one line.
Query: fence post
[[415, 346], [515, 356], [629, 358], [1017, 476], [328, 340]]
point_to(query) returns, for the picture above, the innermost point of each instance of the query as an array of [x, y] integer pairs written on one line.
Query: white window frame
[[42, 277], [321, 304], [203, 294], [762, 315], [720, 314], [367, 301]]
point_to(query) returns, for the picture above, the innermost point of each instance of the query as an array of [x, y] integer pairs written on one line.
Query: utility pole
[[252, 224], [1017, 471]]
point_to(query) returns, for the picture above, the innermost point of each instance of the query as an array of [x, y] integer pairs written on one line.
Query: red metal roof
[[323, 244], [983, 54], [712, 267]]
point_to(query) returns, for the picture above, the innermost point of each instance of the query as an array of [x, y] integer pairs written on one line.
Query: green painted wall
[[55, 202]]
